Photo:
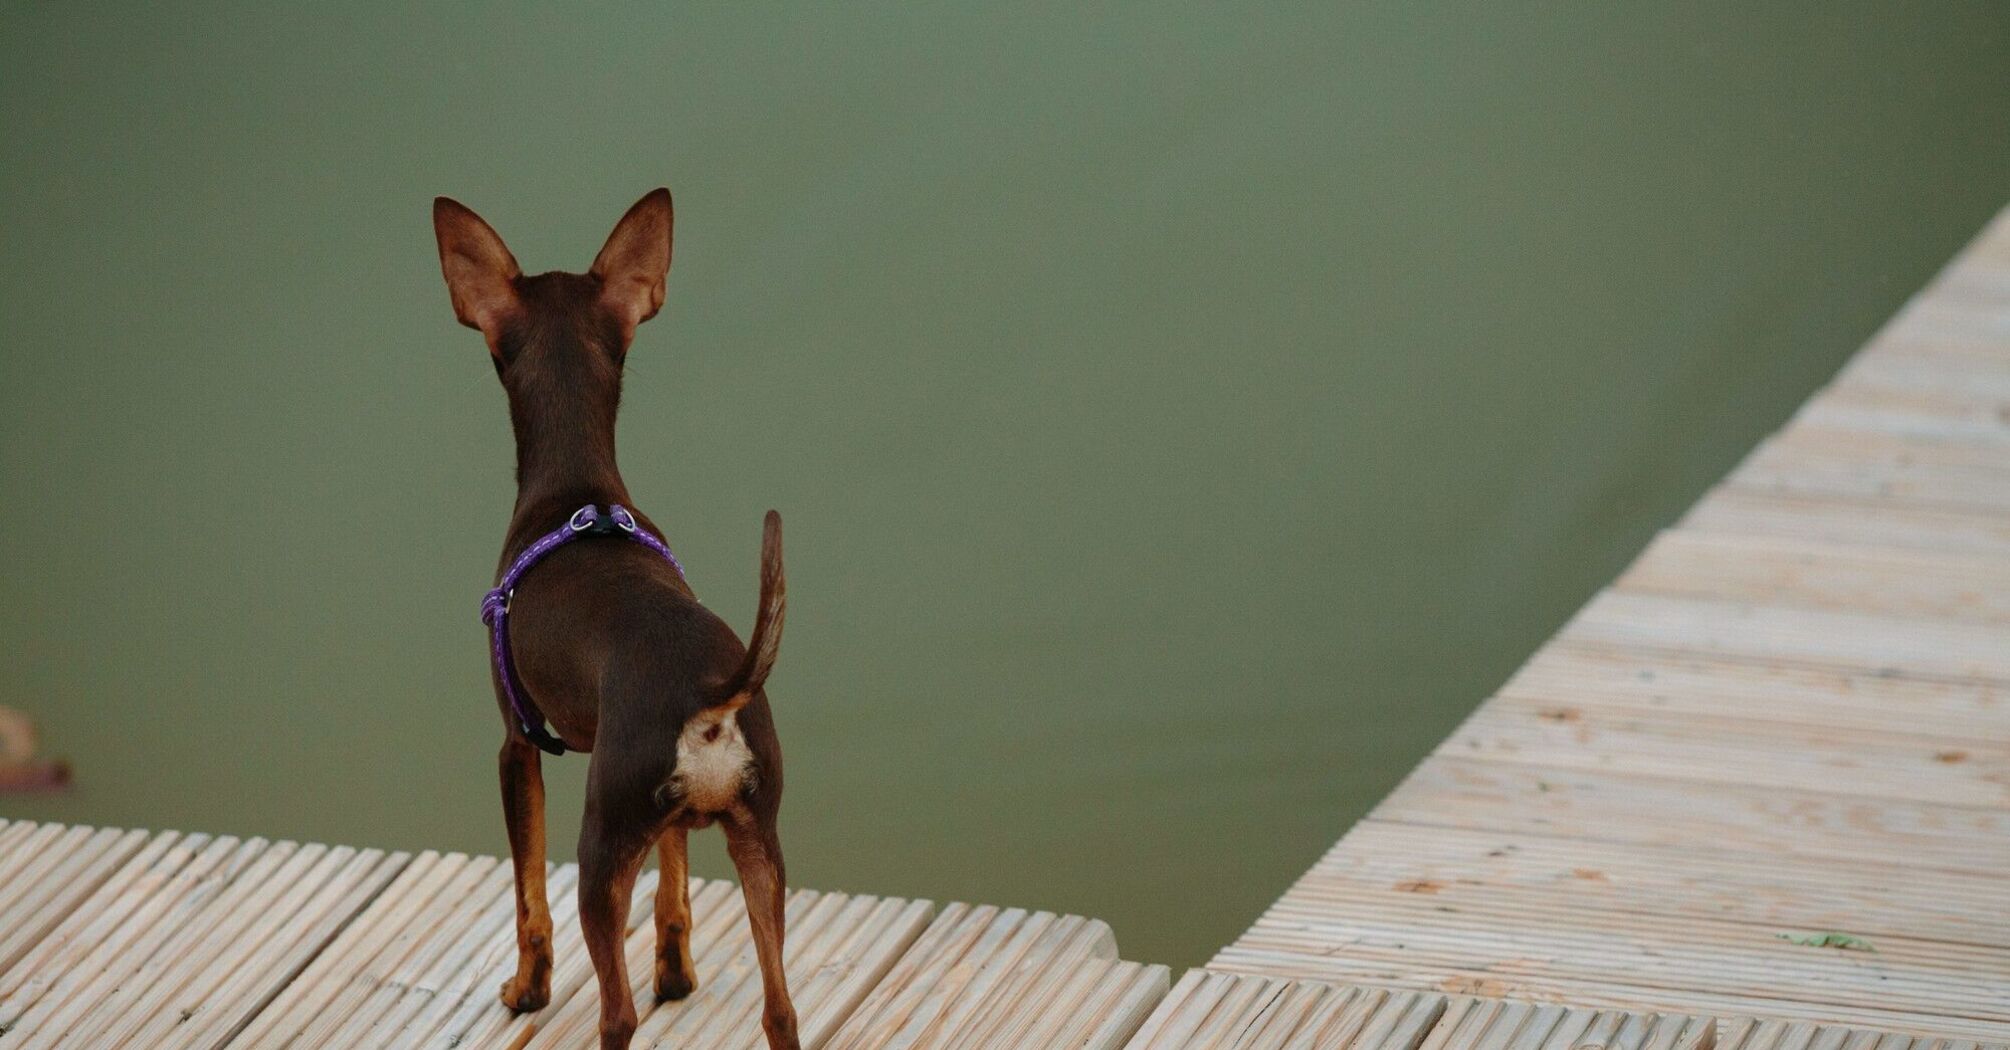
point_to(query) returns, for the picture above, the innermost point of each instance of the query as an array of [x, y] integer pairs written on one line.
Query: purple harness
[[586, 521]]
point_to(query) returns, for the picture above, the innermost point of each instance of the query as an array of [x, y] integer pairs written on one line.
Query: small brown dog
[[604, 638]]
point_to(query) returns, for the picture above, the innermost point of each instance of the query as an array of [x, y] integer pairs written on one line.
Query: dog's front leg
[[523, 811], [757, 854], [676, 975]]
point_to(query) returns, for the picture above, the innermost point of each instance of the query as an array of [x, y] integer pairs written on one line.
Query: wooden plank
[[479, 1019], [89, 923], [1423, 973], [461, 1003], [1472, 871], [278, 948], [1879, 467], [156, 920], [1800, 573], [1671, 812], [385, 995], [27, 844], [973, 962], [1982, 371], [1938, 649], [122, 913], [361, 940], [1854, 521], [1937, 415], [50, 894], [1232, 1012], [413, 922], [1559, 944], [189, 952], [1493, 1024], [1582, 735], [1097, 1003], [1625, 678]]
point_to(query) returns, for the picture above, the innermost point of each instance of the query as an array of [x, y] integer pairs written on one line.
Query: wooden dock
[[1788, 719], [128, 939], [1755, 796]]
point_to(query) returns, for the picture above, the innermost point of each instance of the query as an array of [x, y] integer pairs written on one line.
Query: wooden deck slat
[[1900, 471], [379, 1001], [1865, 406], [1804, 757], [974, 965], [1668, 811], [1945, 650], [322, 980], [1869, 523], [1474, 871], [27, 845], [1571, 676], [1923, 977], [75, 1005], [1421, 972], [196, 951], [101, 931], [49, 897], [279, 948], [1881, 581], [1225, 1011]]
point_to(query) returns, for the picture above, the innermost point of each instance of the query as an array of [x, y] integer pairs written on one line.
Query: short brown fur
[[608, 641]]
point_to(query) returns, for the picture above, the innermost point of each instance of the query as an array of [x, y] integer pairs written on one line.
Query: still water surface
[[1182, 416]]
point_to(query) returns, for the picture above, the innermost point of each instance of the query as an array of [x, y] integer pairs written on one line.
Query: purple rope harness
[[586, 521]]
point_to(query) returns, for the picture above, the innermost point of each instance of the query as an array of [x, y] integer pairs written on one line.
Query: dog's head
[[569, 330]]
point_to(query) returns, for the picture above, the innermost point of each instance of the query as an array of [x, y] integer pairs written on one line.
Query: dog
[[605, 639]]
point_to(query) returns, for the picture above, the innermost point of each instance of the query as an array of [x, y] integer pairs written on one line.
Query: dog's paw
[[673, 982], [519, 995]]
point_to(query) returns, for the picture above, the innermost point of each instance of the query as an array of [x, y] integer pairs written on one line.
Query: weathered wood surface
[[171, 940], [1789, 717], [122, 939], [1247, 1012]]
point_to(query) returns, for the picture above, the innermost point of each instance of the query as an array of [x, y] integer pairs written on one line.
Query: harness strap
[[586, 521]]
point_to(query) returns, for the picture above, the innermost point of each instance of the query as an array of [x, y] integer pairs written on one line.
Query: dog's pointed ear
[[480, 271], [635, 260]]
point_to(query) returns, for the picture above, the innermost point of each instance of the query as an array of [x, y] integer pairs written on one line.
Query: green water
[[1183, 415]]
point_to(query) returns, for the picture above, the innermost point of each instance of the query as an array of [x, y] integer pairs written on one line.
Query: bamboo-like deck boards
[[120, 939], [1789, 717]]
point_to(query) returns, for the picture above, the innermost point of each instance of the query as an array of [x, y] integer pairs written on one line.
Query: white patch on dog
[[712, 761]]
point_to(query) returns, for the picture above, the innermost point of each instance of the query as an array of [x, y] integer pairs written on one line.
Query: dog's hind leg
[[610, 855], [523, 811], [757, 855], [676, 976]]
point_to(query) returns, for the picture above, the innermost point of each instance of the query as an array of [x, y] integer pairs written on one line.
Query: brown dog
[[608, 642]]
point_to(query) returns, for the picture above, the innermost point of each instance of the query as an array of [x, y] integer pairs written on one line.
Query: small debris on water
[[21, 768]]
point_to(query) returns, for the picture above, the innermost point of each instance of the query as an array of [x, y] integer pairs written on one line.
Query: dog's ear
[[635, 260], [480, 271]]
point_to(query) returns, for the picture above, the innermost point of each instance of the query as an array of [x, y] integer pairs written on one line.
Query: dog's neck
[[565, 442]]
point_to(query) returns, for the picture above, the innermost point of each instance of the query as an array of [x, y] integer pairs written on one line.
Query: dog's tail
[[766, 641]]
